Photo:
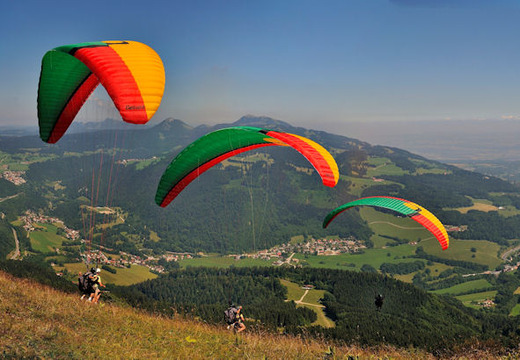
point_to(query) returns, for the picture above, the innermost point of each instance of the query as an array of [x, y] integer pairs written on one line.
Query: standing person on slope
[[239, 320], [95, 280]]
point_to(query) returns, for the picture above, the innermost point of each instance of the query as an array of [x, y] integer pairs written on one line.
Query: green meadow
[[383, 166], [373, 257], [486, 252], [515, 311], [472, 300], [479, 284], [45, 240], [223, 262]]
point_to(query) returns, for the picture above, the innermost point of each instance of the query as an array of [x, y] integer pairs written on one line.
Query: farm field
[[486, 252], [471, 300], [487, 205], [45, 240], [479, 284], [357, 184]]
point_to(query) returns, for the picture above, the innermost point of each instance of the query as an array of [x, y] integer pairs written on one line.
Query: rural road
[[506, 254], [16, 254], [288, 261], [9, 197]]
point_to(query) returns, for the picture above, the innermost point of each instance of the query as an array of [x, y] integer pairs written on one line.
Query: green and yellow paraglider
[[401, 206], [219, 145]]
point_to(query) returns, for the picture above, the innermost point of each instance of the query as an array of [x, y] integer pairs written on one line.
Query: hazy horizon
[[336, 62]]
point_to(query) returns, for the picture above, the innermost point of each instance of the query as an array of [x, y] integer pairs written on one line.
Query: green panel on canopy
[[61, 75], [204, 150]]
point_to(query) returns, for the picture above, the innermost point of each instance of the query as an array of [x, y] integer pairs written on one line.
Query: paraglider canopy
[[219, 145], [131, 72], [401, 206]]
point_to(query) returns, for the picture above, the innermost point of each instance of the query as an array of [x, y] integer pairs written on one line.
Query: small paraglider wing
[[219, 145], [401, 206], [131, 72], [385, 202]]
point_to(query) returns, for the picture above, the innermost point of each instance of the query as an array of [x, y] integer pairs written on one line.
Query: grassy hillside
[[39, 322]]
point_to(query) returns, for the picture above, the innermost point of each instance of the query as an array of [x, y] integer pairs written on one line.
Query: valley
[[79, 207]]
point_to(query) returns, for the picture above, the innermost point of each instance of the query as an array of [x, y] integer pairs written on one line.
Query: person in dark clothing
[[379, 301]]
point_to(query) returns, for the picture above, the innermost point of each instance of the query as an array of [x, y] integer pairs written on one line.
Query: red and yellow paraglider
[[131, 72]]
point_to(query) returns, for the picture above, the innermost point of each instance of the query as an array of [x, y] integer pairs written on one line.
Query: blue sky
[[317, 64]]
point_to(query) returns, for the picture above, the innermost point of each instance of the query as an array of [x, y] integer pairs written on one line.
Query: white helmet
[[98, 270]]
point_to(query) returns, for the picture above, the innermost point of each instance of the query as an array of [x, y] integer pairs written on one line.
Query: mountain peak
[[261, 121], [171, 124]]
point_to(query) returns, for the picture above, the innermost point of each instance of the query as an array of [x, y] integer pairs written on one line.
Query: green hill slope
[[39, 322]]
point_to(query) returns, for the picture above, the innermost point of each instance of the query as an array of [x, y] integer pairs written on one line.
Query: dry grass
[[39, 322]]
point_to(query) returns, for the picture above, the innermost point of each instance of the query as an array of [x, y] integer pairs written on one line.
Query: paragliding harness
[[85, 283], [230, 315]]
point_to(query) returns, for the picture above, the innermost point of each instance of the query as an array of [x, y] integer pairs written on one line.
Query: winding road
[[507, 253]]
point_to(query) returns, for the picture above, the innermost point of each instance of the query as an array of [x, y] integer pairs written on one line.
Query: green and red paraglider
[[219, 145], [401, 206]]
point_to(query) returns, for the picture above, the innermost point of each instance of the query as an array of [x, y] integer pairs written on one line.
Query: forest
[[409, 315]]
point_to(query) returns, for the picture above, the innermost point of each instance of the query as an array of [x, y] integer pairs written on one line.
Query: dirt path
[[16, 254], [320, 311], [9, 197], [301, 299]]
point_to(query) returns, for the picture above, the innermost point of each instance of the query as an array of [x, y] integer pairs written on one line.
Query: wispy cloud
[[510, 117]]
